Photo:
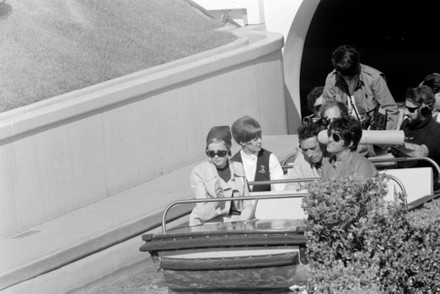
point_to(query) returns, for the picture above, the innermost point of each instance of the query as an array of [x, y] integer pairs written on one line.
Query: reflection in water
[[150, 281], [147, 280]]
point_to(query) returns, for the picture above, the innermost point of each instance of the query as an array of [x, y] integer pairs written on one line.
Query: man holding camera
[[362, 89]]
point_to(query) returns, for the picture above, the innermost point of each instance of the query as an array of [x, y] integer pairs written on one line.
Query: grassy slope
[[49, 47]]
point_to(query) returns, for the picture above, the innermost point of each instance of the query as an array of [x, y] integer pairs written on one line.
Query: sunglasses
[[336, 137], [220, 153], [412, 109]]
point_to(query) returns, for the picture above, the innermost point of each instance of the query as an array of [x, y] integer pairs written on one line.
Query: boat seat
[[284, 208], [418, 182], [290, 159]]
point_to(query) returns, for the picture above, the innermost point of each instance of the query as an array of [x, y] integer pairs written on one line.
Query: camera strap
[[352, 108]]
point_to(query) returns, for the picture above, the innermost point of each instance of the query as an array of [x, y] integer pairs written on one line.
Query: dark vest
[[262, 172]]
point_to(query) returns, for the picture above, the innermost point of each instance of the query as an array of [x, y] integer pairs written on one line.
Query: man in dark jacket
[[422, 132]]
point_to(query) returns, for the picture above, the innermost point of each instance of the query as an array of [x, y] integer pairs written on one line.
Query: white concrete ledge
[[86, 102], [88, 230]]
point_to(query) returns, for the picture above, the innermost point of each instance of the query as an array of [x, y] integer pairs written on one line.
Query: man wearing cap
[[218, 177]]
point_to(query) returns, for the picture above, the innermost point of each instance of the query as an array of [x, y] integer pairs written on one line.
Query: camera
[[321, 121], [310, 119]]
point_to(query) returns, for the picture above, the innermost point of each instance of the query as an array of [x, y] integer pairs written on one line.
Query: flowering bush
[[360, 243]]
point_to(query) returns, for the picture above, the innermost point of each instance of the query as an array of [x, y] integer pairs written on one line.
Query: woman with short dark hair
[[344, 134]]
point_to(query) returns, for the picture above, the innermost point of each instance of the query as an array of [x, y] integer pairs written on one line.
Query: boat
[[259, 254], [268, 252]]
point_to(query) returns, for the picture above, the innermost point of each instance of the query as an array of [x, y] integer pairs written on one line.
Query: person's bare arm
[[413, 150]]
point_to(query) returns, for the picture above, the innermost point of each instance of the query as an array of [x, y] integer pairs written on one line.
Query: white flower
[[298, 289]]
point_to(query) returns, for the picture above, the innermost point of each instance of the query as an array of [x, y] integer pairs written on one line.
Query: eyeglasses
[[412, 109], [336, 137], [219, 153]]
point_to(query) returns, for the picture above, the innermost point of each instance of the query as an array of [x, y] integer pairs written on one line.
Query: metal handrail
[[405, 159], [434, 164], [284, 163], [283, 181], [292, 194], [399, 182], [283, 194], [261, 195]]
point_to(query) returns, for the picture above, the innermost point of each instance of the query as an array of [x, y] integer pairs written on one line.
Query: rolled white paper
[[376, 137]]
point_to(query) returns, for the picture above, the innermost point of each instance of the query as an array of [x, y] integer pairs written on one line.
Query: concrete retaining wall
[[81, 147]]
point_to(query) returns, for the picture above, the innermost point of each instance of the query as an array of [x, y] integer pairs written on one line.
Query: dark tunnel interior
[[399, 38]]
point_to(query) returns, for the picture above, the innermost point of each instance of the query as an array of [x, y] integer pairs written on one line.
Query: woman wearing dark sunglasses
[[218, 177], [344, 135]]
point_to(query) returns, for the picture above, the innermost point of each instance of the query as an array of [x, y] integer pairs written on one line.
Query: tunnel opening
[[399, 38]]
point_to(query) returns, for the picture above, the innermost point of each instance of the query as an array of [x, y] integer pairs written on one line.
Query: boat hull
[[264, 255], [280, 277]]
